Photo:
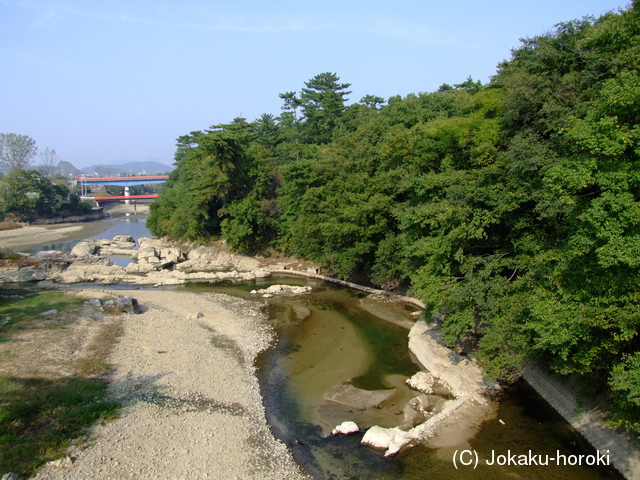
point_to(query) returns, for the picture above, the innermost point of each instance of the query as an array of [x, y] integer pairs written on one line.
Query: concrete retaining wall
[[622, 447]]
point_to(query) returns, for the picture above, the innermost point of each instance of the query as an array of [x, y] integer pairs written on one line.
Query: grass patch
[[48, 402], [9, 225], [38, 417], [100, 348], [24, 311], [10, 257]]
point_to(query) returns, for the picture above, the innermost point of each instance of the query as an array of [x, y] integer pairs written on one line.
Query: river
[[134, 225], [340, 341]]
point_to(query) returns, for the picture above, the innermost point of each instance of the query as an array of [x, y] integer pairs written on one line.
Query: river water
[[340, 341], [346, 338], [134, 225]]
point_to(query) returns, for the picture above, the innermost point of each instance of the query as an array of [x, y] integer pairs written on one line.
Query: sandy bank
[[192, 402], [32, 236]]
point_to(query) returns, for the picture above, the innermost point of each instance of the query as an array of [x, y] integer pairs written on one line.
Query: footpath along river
[[341, 341]]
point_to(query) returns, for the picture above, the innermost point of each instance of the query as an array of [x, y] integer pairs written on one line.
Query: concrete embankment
[[95, 214], [623, 449]]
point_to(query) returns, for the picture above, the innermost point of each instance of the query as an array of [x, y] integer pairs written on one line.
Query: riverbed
[[50, 237], [343, 340], [340, 341]]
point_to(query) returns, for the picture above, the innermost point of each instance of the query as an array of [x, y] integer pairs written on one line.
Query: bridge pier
[[126, 194]]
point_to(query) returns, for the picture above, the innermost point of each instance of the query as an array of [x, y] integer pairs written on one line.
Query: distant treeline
[[511, 208]]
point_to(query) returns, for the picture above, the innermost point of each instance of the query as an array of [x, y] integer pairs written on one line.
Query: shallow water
[[340, 341], [134, 225]]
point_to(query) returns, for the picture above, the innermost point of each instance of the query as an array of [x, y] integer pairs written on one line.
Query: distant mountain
[[129, 168], [66, 169]]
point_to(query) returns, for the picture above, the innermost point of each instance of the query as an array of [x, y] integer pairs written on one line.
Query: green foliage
[[625, 398], [16, 151], [23, 310], [39, 418], [511, 209], [251, 225], [322, 103], [207, 178], [28, 194]]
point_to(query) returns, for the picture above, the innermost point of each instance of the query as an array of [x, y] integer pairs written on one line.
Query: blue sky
[[111, 81]]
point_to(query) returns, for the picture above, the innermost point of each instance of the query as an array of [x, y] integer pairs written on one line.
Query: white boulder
[[422, 382], [345, 428]]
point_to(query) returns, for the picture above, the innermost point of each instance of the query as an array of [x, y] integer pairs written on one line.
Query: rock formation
[[444, 373], [345, 428], [281, 290], [156, 262]]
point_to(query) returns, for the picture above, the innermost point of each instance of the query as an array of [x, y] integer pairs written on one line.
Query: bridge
[[125, 182]]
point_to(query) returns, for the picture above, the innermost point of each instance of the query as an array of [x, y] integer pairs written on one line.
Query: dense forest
[[512, 209]]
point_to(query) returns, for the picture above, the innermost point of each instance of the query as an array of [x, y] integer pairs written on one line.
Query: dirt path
[[192, 402]]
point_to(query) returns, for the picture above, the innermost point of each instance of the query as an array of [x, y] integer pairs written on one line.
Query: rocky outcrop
[[461, 376], [128, 305], [85, 248], [420, 408], [155, 263], [154, 255], [211, 259], [281, 290], [394, 440], [90, 268], [120, 245], [444, 373]]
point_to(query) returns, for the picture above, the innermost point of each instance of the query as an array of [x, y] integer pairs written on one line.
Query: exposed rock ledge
[[156, 262], [444, 372]]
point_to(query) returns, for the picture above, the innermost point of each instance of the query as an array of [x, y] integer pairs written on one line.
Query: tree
[[468, 84], [16, 151], [208, 177], [291, 105], [290, 124], [185, 143], [372, 101], [323, 104], [267, 130], [28, 194], [49, 160]]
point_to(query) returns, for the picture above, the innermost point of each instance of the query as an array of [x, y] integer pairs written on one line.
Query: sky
[[111, 81]]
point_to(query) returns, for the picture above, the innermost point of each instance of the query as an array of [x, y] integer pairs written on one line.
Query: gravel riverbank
[[192, 404]]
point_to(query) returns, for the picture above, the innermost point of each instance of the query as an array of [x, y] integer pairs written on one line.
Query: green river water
[[340, 341]]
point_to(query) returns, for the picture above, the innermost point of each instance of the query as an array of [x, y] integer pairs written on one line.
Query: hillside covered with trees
[[512, 208]]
